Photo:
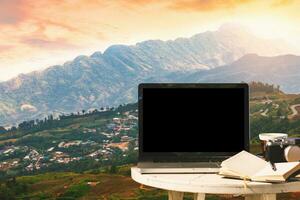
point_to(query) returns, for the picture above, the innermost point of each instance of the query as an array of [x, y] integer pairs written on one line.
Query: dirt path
[[294, 110], [265, 113]]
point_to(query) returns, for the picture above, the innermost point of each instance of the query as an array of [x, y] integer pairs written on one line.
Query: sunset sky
[[35, 34]]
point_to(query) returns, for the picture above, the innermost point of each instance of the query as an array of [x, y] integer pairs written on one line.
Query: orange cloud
[[206, 5], [47, 24], [280, 3], [39, 33], [4, 48], [48, 44], [12, 11], [134, 3]]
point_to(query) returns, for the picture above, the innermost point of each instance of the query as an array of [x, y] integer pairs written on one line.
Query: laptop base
[[178, 168]]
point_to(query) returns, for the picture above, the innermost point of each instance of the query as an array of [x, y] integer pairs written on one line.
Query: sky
[[36, 34]]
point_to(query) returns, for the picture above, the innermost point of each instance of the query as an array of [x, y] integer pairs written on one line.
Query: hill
[[279, 70], [108, 136], [94, 185], [85, 155], [111, 78], [76, 142]]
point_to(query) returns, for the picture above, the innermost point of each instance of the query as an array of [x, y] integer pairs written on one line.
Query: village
[[115, 133]]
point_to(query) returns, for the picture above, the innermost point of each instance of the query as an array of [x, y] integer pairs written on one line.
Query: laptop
[[191, 128]]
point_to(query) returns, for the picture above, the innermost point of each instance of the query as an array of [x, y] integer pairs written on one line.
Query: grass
[[75, 191], [8, 140], [46, 176], [69, 185]]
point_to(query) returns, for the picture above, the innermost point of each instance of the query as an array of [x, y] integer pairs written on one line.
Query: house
[[117, 120], [8, 151], [92, 183], [61, 144], [121, 145], [132, 117], [110, 125], [126, 138], [50, 149], [94, 154], [29, 167]]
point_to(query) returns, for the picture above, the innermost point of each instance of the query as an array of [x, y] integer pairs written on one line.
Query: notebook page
[[245, 164], [282, 169]]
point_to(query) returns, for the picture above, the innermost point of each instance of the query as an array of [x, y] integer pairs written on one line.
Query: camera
[[283, 150]]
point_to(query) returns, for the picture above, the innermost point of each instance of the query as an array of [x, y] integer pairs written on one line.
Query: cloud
[[141, 3], [205, 5], [5, 48], [280, 3], [37, 33], [12, 11], [47, 22], [49, 44]]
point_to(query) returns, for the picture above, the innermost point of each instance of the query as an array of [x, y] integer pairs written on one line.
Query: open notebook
[[245, 165]]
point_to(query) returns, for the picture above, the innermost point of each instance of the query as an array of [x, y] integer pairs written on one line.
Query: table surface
[[210, 183]]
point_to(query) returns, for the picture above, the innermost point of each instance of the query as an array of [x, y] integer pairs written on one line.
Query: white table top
[[210, 183]]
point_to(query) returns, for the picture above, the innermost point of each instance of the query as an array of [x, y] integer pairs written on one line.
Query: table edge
[[215, 189]]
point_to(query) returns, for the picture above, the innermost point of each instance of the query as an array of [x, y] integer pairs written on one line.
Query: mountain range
[[111, 78], [279, 70]]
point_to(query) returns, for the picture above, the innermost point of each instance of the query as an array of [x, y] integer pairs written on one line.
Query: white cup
[[272, 136]]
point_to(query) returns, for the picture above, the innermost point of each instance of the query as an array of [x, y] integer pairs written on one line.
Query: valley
[[88, 154], [111, 77], [79, 142], [108, 136]]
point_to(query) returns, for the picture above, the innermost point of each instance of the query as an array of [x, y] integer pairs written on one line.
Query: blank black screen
[[193, 119]]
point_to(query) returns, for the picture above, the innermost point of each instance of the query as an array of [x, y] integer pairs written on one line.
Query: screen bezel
[[190, 156]]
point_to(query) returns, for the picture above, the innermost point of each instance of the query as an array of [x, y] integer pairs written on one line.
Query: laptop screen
[[203, 118]]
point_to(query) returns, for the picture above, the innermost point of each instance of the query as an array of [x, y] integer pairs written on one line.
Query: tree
[[13, 128], [95, 111], [113, 169], [50, 117], [2, 130]]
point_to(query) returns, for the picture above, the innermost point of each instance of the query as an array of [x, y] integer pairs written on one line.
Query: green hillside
[[94, 184], [76, 142], [82, 155], [271, 110]]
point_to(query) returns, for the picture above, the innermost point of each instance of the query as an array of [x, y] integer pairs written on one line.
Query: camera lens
[[292, 153]]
